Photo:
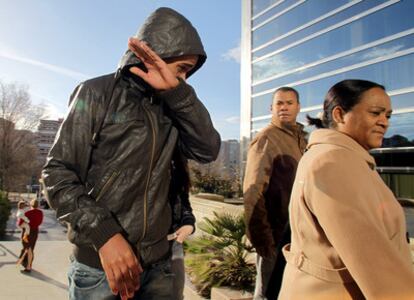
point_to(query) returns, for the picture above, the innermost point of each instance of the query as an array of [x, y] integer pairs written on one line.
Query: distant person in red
[[35, 216]]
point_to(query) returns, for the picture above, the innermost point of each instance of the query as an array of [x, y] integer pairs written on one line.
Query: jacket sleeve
[[187, 216], [351, 216], [197, 137], [66, 164], [256, 181]]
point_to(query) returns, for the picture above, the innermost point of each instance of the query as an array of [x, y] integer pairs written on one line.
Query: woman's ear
[[338, 115]]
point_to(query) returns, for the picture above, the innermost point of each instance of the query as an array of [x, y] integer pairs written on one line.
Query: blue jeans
[[89, 283]]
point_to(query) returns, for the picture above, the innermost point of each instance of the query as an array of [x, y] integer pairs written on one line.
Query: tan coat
[[348, 230], [270, 171]]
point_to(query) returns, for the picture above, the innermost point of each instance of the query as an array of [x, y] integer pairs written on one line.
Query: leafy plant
[[5, 209], [219, 256], [207, 183]]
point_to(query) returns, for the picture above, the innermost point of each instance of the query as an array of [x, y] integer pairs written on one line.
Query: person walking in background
[[22, 221], [183, 222], [108, 173], [35, 217], [270, 170], [348, 230]]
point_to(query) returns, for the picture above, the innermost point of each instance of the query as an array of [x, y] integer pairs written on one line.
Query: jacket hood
[[169, 34]]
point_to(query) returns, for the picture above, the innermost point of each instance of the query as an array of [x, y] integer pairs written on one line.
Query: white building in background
[[230, 156], [46, 133]]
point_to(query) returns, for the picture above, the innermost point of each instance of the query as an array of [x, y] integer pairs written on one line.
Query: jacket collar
[[334, 137], [294, 130]]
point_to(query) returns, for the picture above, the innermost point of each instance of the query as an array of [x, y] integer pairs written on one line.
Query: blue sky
[[51, 46]]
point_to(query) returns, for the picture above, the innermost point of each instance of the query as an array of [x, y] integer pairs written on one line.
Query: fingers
[[134, 271], [123, 281], [181, 236], [111, 280], [150, 53], [136, 46], [130, 283], [121, 266], [145, 53], [157, 73], [137, 71], [180, 239]]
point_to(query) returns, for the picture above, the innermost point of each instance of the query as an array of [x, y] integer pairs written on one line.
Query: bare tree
[[18, 116]]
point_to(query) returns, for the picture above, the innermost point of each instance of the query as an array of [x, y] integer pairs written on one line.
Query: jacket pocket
[[104, 184], [300, 261]]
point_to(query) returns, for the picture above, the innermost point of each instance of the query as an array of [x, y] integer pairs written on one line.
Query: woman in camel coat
[[348, 230]]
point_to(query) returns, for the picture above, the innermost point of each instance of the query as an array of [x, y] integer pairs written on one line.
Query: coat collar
[[334, 137], [294, 130]]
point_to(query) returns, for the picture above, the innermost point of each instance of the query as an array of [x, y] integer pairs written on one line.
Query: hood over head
[[169, 34]]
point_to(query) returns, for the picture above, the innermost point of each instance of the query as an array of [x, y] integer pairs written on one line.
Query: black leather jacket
[[127, 174]]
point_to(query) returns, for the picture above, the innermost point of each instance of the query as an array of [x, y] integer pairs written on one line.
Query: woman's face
[[368, 120]]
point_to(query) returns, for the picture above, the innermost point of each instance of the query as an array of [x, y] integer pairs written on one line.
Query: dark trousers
[[275, 282]]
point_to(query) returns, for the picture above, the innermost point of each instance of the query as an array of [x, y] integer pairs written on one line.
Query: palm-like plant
[[218, 256]]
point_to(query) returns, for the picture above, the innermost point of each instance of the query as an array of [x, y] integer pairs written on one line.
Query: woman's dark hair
[[345, 94]]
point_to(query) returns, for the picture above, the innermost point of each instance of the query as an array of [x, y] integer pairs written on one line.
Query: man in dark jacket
[[110, 183], [271, 166]]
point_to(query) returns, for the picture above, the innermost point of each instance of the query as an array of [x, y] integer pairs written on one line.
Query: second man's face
[[285, 107]]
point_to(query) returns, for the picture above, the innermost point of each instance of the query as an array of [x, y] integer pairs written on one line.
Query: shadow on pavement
[[43, 277], [4, 250]]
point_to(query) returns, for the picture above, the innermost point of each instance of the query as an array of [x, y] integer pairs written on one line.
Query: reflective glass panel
[[368, 54], [402, 101], [278, 9], [397, 73], [260, 5], [373, 27], [293, 18], [327, 20], [401, 127]]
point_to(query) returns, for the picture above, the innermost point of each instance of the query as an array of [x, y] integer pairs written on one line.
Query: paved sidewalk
[[47, 279]]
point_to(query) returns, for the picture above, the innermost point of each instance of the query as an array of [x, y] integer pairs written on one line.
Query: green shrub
[[218, 256], [207, 183], [5, 209]]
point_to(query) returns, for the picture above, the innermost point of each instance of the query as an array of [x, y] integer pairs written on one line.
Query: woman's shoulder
[[325, 153], [330, 159]]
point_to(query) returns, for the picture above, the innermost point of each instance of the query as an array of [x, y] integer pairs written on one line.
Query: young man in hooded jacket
[[109, 181]]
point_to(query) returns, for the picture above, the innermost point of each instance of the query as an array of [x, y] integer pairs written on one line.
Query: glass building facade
[[312, 44]]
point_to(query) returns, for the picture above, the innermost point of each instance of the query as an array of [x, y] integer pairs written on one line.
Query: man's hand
[[183, 232], [121, 266], [159, 76]]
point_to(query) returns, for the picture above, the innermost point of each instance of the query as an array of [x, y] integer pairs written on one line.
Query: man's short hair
[[286, 89]]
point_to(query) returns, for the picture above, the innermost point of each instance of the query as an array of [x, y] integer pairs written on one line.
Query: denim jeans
[[89, 283]]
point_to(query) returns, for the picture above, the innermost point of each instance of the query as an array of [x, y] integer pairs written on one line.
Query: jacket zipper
[[107, 184], [149, 175]]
